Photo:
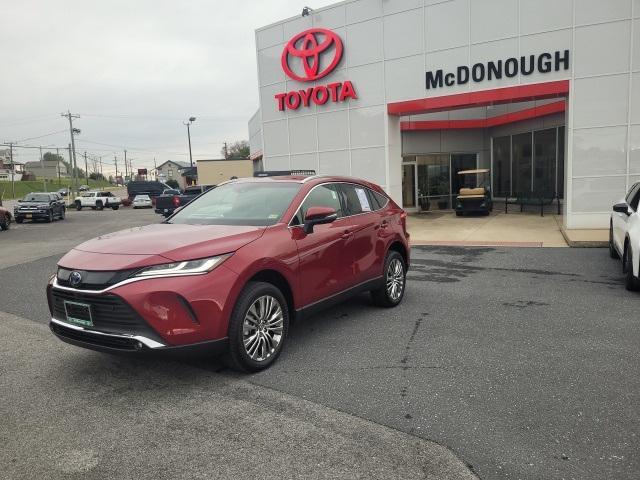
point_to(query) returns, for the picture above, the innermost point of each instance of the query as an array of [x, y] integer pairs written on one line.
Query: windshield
[[37, 197], [250, 203]]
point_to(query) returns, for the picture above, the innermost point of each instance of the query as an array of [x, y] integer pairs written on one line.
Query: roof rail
[[283, 173]]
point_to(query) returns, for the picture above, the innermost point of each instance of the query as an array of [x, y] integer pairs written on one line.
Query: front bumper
[[31, 215], [128, 344]]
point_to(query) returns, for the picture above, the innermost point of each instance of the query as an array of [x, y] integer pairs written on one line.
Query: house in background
[[49, 169], [171, 170]]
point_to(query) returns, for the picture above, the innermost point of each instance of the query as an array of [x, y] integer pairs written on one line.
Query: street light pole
[[188, 124]]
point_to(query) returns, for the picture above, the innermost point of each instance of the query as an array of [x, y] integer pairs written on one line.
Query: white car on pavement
[[142, 201], [97, 201], [624, 236]]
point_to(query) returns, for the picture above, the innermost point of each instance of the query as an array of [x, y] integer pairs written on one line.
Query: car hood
[[174, 242]]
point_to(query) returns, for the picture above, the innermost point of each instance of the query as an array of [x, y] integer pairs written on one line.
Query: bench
[[534, 199]]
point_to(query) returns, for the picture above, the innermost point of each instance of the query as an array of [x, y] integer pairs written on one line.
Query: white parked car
[[142, 201], [97, 201], [624, 236]]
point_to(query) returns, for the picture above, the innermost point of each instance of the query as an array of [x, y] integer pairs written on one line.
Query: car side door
[[325, 263], [363, 222]]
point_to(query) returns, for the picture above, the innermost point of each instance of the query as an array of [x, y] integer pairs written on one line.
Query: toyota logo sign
[[307, 57], [312, 54], [75, 278]]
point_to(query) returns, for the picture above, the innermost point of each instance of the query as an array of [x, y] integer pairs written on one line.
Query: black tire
[[19, 220], [238, 357], [613, 253], [99, 205], [63, 214], [78, 205], [630, 281], [5, 223], [115, 208], [458, 214], [49, 219], [383, 296]]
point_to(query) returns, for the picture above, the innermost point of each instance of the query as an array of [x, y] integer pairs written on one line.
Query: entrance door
[[408, 185]]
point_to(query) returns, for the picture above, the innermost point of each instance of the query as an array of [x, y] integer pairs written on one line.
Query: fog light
[[139, 345]]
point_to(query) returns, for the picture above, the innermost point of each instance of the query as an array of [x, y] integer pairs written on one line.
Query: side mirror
[[318, 216], [621, 208]]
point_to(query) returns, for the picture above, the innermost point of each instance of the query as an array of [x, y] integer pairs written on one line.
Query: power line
[[42, 136]]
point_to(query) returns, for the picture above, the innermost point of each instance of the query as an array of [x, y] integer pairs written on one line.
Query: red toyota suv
[[232, 268]]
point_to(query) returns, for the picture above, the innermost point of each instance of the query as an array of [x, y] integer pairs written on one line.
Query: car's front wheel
[[613, 253], [258, 327], [63, 214], [630, 281], [395, 276], [78, 205], [49, 218]]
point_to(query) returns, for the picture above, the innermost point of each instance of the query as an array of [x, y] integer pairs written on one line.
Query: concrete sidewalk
[[499, 229]]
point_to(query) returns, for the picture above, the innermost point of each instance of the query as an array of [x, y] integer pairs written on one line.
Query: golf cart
[[475, 195]]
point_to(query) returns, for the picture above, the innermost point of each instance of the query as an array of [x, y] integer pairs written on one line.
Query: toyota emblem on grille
[[303, 54], [75, 279]]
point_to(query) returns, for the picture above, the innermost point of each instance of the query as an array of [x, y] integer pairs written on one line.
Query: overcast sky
[[133, 70]]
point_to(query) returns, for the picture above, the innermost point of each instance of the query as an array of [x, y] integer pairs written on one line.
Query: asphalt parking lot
[[523, 362]]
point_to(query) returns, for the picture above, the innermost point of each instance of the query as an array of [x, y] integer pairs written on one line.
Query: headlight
[[190, 267]]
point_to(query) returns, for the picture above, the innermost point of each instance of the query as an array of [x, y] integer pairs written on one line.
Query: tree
[[237, 150], [172, 183]]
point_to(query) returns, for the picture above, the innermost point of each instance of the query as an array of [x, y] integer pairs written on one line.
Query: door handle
[[384, 224], [347, 234]]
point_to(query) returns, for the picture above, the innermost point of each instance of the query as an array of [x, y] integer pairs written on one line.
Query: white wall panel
[[307, 161], [443, 18], [602, 49], [269, 37], [403, 34], [363, 10], [634, 150], [370, 84], [593, 11], [401, 86], [600, 151], [493, 19], [369, 163], [276, 141], [394, 6], [364, 42], [367, 126], [333, 130], [269, 105], [330, 18], [636, 45], [635, 98], [545, 15], [600, 101], [302, 134], [462, 140], [335, 163], [597, 194], [296, 25], [269, 65], [550, 42]]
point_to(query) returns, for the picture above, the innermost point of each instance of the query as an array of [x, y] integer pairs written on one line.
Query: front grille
[[127, 344], [109, 313], [94, 280]]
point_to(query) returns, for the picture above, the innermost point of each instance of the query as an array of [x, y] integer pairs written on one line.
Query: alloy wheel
[[395, 279], [262, 328]]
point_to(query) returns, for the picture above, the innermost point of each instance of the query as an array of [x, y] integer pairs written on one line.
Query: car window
[[379, 201], [634, 201], [632, 193], [246, 203], [321, 196], [37, 197], [356, 199]]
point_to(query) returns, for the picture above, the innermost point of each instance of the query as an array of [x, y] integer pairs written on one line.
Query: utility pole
[[115, 161], [13, 180], [58, 164], [225, 151], [86, 168], [44, 178], [155, 168], [125, 166], [70, 117]]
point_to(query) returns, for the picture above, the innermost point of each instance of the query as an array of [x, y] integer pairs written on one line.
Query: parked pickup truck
[[97, 201], [168, 202]]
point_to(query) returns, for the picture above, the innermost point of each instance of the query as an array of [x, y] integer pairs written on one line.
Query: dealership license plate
[[28, 215], [78, 313]]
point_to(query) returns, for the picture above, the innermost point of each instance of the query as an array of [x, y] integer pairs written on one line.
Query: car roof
[[306, 179]]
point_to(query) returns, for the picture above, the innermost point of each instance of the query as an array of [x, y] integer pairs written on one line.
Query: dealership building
[[407, 93]]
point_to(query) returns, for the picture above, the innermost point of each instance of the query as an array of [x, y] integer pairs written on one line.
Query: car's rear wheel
[[258, 327], [115, 207], [78, 205], [613, 253], [99, 205], [19, 220], [630, 280], [395, 276], [5, 222]]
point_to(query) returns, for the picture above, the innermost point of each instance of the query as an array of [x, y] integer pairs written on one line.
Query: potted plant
[[423, 201]]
